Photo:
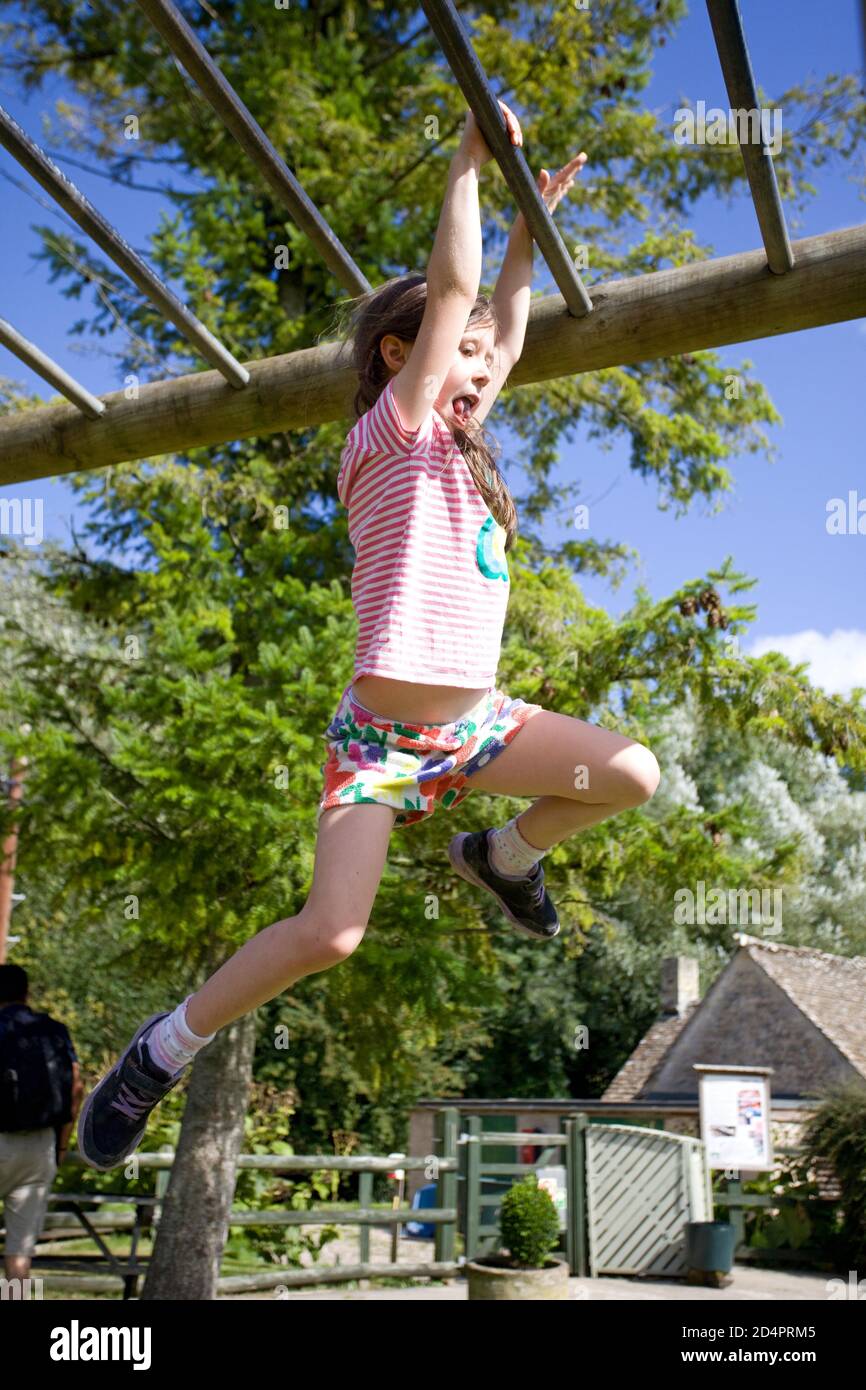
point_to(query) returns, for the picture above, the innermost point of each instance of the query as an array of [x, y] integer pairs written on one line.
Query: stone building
[[795, 1009]]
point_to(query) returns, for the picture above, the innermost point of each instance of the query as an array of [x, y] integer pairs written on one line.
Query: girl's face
[[468, 375]]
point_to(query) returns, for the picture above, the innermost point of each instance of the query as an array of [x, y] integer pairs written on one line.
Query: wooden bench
[[129, 1268]]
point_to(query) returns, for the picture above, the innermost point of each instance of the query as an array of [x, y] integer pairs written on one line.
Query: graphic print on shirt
[[490, 550]]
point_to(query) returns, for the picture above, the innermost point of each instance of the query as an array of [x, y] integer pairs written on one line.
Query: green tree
[[176, 749], [736, 809]]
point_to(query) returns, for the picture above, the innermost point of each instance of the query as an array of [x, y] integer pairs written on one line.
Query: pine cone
[[689, 607], [710, 599]]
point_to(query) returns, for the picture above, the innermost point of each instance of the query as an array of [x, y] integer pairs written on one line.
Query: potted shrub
[[524, 1267]]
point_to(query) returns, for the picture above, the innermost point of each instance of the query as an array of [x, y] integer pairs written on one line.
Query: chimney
[[680, 983]]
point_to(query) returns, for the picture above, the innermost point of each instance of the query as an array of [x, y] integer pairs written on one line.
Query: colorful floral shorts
[[413, 766]]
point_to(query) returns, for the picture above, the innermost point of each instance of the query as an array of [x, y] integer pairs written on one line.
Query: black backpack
[[35, 1070]]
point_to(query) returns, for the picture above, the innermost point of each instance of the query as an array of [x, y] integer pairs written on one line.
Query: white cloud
[[837, 662]]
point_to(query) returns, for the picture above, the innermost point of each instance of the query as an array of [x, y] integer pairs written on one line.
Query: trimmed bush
[[529, 1223]]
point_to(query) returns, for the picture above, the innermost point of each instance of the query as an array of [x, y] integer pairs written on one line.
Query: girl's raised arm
[[511, 297], [453, 276]]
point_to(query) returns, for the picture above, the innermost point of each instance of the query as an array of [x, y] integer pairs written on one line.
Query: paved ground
[[749, 1284], [760, 1285]]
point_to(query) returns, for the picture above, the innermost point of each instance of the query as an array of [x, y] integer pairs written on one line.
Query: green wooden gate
[[562, 1149], [630, 1191]]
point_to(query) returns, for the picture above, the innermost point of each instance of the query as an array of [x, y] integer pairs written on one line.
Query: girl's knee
[[631, 777], [329, 942], [640, 775]]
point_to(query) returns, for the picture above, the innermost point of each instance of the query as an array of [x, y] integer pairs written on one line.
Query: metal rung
[[73, 201], [191, 52], [52, 372], [463, 61], [730, 39]]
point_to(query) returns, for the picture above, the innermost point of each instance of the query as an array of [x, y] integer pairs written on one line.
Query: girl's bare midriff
[[413, 703]]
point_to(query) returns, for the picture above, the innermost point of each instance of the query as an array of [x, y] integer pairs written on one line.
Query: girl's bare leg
[[351, 850], [582, 773]]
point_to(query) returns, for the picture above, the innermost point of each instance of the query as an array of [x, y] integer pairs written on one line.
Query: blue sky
[[810, 584]]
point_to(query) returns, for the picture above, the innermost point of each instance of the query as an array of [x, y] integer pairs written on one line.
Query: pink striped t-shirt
[[430, 584]]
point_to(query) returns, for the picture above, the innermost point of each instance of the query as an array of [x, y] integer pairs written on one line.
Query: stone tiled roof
[[828, 990], [633, 1074]]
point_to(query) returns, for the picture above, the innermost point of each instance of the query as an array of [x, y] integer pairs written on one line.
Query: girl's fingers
[[564, 178], [565, 175], [512, 124], [555, 188]]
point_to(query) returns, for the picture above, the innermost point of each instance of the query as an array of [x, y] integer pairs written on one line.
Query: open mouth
[[464, 405]]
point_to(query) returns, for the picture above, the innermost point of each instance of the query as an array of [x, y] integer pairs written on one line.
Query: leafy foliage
[[178, 662], [528, 1223], [837, 1131]]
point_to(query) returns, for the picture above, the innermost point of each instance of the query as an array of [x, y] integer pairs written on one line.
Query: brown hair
[[398, 307]]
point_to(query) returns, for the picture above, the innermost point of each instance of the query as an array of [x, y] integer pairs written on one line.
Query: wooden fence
[[629, 1191]]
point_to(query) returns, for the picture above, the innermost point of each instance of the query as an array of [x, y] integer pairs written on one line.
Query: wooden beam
[[703, 305]]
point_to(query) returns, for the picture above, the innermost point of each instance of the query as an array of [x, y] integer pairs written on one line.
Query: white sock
[[172, 1043], [510, 854]]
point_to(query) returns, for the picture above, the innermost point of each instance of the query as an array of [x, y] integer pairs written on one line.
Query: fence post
[[575, 1179], [700, 1191], [734, 1188], [163, 1178], [472, 1169], [365, 1199], [446, 1124], [686, 1190]]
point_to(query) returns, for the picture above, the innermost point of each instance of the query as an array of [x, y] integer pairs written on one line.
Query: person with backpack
[[40, 1093]]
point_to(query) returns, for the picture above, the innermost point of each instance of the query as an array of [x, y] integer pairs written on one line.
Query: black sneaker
[[524, 901], [115, 1114]]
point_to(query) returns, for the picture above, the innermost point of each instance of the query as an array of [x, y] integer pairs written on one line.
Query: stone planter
[[494, 1276]]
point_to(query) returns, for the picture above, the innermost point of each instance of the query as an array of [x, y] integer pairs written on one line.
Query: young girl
[[423, 722]]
